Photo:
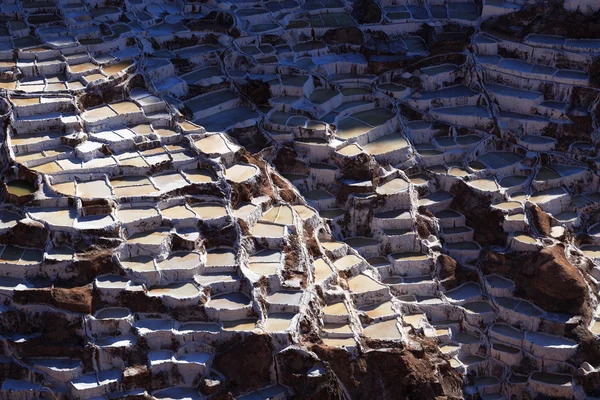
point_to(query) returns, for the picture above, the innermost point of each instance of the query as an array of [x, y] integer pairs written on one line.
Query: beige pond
[[94, 222], [449, 348], [337, 328], [350, 150], [112, 281], [55, 216], [127, 215], [201, 175], [525, 238], [142, 129], [440, 331], [178, 212], [508, 205], [454, 363], [414, 320], [25, 102], [285, 297], [93, 77], [409, 256], [592, 251], [150, 238], [519, 196], [188, 126], [336, 309], [139, 264], [386, 144], [132, 191], [113, 313], [304, 212], [281, 215], [210, 210], [244, 210], [220, 257], [393, 186], [164, 132], [458, 171], [47, 168], [86, 66], [333, 246], [125, 107], [349, 128], [170, 181], [93, 189], [336, 342], [137, 161], [116, 68], [239, 325], [65, 188], [98, 114], [363, 284], [386, 330], [229, 301], [486, 184], [379, 310], [278, 322], [347, 261], [214, 144], [322, 270], [596, 327], [178, 290], [239, 173], [264, 268], [207, 278], [262, 229], [516, 217], [547, 195], [181, 260]]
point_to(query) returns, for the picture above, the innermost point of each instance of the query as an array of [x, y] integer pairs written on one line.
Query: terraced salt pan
[[221, 257], [179, 290], [278, 322], [201, 175], [210, 210], [215, 144], [178, 212], [128, 215], [154, 237], [139, 264], [239, 173], [280, 215], [393, 186], [229, 301], [347, 262], [386, 330]]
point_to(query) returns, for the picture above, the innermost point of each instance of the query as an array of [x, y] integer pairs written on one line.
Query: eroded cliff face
[[299, 200]]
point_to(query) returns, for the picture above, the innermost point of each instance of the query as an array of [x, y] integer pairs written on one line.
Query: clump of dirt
[[541, 221], [366, 12], [351, 35], [293, 366], [453, 274], [246, 364], [548, 18], [77, 299], [486, 222], [393, 373], [257, 90], [545, 277]]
